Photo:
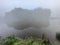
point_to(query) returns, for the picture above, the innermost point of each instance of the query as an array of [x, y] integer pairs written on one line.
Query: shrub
[[13, 40], [58, 36]]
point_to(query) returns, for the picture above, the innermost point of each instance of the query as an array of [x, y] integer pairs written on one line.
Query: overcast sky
[[54, 5]]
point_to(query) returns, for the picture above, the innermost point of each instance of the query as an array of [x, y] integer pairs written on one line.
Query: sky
[[7, 5]]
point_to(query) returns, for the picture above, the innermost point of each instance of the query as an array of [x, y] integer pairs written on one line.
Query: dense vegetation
[[13, 40], [58, 36]]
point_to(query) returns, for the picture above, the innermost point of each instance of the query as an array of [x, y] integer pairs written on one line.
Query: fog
[[12, 23], [23, 18], [32, 22], [23, 25]]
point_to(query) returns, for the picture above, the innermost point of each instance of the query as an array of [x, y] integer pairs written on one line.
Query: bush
[[58, 36], [13, 40]]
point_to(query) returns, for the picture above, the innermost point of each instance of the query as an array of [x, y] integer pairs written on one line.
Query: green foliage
[[13, 40], [9, 40], [58, 36]]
